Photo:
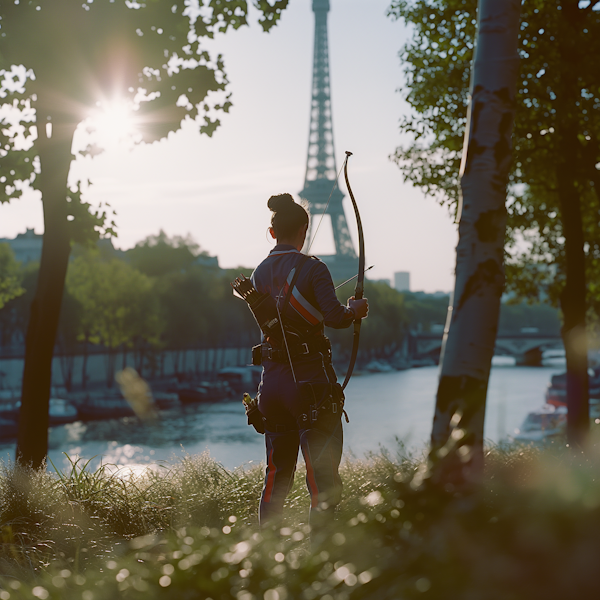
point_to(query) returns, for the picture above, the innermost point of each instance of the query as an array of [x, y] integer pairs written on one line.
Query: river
[[381, 407]]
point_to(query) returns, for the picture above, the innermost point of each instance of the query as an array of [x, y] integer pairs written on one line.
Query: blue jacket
[[313, 299]]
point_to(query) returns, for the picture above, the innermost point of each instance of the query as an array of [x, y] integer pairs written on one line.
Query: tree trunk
[[470, 336], [55, 160], [573, 297]]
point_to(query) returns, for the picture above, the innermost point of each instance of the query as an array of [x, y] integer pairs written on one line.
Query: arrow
[[351, 278]]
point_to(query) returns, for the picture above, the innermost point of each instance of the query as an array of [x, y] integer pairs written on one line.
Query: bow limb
[[359, 289]]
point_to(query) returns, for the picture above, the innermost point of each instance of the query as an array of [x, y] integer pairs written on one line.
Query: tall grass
[[530, 530]]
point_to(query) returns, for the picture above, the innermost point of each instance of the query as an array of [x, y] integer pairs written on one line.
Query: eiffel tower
[[321, 171]]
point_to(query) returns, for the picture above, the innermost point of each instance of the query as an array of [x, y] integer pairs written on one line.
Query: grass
[[530, 530]]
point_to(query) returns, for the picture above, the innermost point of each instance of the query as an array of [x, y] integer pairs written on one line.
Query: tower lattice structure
[[321, 171]]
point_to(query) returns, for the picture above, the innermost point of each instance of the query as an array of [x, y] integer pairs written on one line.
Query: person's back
[[299, 397]]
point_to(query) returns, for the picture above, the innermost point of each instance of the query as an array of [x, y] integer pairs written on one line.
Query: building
[[27, 247], [320, 190], [402, 281]]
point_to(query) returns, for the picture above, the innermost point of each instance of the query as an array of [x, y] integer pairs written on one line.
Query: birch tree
[[472, 320], [553, 238]]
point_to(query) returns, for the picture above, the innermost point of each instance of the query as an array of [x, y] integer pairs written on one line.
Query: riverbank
[[528, 530], [382, 407]]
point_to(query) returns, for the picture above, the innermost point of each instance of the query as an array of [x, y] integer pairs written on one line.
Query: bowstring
[[327, 205]]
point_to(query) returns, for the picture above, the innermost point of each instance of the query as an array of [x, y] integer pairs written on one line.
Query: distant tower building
[[402, 281], [321, 170]]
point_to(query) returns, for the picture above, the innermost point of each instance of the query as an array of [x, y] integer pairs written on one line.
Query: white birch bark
[[472, 322]]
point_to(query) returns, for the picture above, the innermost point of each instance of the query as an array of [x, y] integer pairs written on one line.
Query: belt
[[280, 355]]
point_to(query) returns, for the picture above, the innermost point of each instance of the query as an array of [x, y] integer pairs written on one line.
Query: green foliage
[[87, 224], [425, 310], [513, 317], [527, 530], [118, 302], [387, 324], [9, 276], [159, 255], [187, 305], [437, 69], [196, 303], [14, 316]]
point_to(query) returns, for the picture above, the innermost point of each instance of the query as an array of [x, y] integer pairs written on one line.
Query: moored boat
[[539, 425], [556, 392], [62, 411], [104, 405], [240, 379], [203, 391], [166, 400]]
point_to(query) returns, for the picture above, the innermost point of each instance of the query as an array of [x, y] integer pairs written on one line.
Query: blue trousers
[[280, 401]]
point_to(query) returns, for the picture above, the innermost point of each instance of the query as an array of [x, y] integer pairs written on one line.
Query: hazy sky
[[216, 188]]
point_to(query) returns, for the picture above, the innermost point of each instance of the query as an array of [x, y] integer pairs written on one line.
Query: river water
[[382, 407]]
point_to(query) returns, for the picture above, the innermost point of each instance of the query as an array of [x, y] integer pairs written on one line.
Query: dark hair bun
[[280, 202], [287, 217]]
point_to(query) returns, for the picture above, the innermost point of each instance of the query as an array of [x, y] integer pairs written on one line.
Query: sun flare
[[113, 123]]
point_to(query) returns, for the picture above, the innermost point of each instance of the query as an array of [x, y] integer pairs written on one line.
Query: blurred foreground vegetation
[[528, 530]]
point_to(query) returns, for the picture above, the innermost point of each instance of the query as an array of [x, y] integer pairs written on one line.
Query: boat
[[193, 393], [556, 392], [203, 391], [104, 405], [546, 422], [166, 400], [550, 420], [62, 411], [240, 379]]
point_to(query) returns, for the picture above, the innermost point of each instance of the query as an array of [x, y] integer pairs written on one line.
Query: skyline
[[216, 188]]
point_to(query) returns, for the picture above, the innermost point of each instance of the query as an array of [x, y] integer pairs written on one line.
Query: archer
[[300, 403]]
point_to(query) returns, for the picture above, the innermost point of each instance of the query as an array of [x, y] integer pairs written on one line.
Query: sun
[[112, 124]]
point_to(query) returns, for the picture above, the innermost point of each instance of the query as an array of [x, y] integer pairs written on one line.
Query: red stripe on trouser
[[312, 482], [270, 483]]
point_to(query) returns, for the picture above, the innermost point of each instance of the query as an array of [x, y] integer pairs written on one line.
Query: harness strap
[[288, 296]]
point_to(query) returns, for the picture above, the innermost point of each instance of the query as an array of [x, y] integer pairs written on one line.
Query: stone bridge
[[527, 348]]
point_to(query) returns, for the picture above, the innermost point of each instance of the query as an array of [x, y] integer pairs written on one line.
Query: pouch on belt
[[324, 402]]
